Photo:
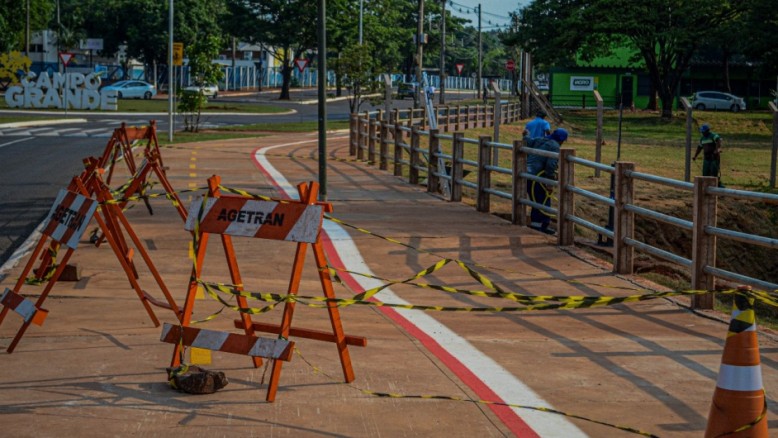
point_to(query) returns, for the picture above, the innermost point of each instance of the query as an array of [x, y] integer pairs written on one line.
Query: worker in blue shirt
[[538, 127], [545, 167]]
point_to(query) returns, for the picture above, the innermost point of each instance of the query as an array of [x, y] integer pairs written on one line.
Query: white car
[[208, 90], [716, 100], [132, 89]]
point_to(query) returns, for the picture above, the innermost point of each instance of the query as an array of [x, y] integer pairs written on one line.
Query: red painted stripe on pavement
[[507, 415]]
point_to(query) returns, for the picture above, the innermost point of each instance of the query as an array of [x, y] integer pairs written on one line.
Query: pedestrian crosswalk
[[102, 129]]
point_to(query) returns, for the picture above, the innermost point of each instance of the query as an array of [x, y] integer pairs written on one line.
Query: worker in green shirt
[[710, 146]]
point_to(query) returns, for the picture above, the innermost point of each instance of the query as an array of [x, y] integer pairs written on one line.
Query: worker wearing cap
[[538, 127], [545, 167], [710, 145]]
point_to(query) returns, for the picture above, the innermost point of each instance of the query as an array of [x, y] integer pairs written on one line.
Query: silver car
[[716, 100]]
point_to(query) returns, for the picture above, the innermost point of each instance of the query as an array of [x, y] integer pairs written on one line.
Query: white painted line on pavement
[[15, 141], [40, 123], [485, 376]]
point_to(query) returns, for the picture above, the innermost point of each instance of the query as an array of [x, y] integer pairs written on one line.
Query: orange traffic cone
[[739, 408]]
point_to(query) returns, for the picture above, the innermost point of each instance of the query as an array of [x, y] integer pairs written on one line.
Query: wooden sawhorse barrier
[[294, 221], [120, 146], [68, 218]]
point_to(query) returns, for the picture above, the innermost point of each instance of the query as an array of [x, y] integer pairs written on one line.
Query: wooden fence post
[[687, 169], [703, 245], [624, 221], [484, 175], [432, 161], [774, 155], [457, 153], [364, 137], [371, 140], [398, 150], [598, 134], [566, 198], [413, 171], [519, 210], [457, 120], [382, 146], [354, 137]]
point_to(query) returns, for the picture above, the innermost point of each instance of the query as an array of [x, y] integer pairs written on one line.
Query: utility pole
[[419, 54], [360, 20], [443, 52], [321, 30], [27, 32], [480, 53], [170, 75]]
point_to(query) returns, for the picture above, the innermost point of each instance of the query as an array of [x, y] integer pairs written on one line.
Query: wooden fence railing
[[398, 144]]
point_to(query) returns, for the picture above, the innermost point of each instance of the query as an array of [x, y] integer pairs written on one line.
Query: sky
[[494, 11]]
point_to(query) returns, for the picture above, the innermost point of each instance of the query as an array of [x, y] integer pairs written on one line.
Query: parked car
[[716, 100], [208, 90], [406, 89], [132, 89]]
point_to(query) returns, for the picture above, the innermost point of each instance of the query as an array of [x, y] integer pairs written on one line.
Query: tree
[[666, 33], [357, 68], [203, 71], [145, 34], [13, 21], [283, 27]]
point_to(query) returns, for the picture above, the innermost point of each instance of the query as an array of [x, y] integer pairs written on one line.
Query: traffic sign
[[460, 66], [301, 64], [178, 53], [510, 65], [65, 57]]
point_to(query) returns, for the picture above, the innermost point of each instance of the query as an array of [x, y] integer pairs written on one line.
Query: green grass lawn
[[657, 146]]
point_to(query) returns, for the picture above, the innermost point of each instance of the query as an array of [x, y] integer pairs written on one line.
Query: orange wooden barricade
[[68, 218], [295, 221], [120, 146]]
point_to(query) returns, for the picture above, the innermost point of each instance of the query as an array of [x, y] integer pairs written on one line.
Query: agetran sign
[[69, 90], [581, 83]]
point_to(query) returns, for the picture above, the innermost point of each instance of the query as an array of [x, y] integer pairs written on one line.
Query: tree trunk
[[286, 74], [667, 104], [652, 103]]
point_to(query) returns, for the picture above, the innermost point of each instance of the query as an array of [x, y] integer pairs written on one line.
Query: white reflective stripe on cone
[[740, 378]]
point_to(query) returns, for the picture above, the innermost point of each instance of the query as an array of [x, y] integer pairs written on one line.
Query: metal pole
[[170, 87], [480, 52], [27, 32], [322, 87], [360, 20], [443, 53], [419, 55]]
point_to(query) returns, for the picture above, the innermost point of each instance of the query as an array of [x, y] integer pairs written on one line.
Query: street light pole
[[170, 74], [360, 21], [27, 32], [322, 88], [480, 52], [419, 54], [443, 53]]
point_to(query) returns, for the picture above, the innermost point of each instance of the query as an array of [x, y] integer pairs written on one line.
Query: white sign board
[[581, 83], [68, 90]]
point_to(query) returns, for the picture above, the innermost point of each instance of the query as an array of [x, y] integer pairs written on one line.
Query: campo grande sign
[[69, 90]]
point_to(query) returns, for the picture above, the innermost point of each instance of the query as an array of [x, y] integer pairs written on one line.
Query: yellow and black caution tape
[[35, 281], [318, 370], [541, 303], [479, 277]]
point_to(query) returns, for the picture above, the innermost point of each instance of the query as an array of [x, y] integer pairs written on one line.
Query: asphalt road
[[36, 161]]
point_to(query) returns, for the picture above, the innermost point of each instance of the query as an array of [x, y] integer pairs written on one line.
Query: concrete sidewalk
[[97, 367]]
